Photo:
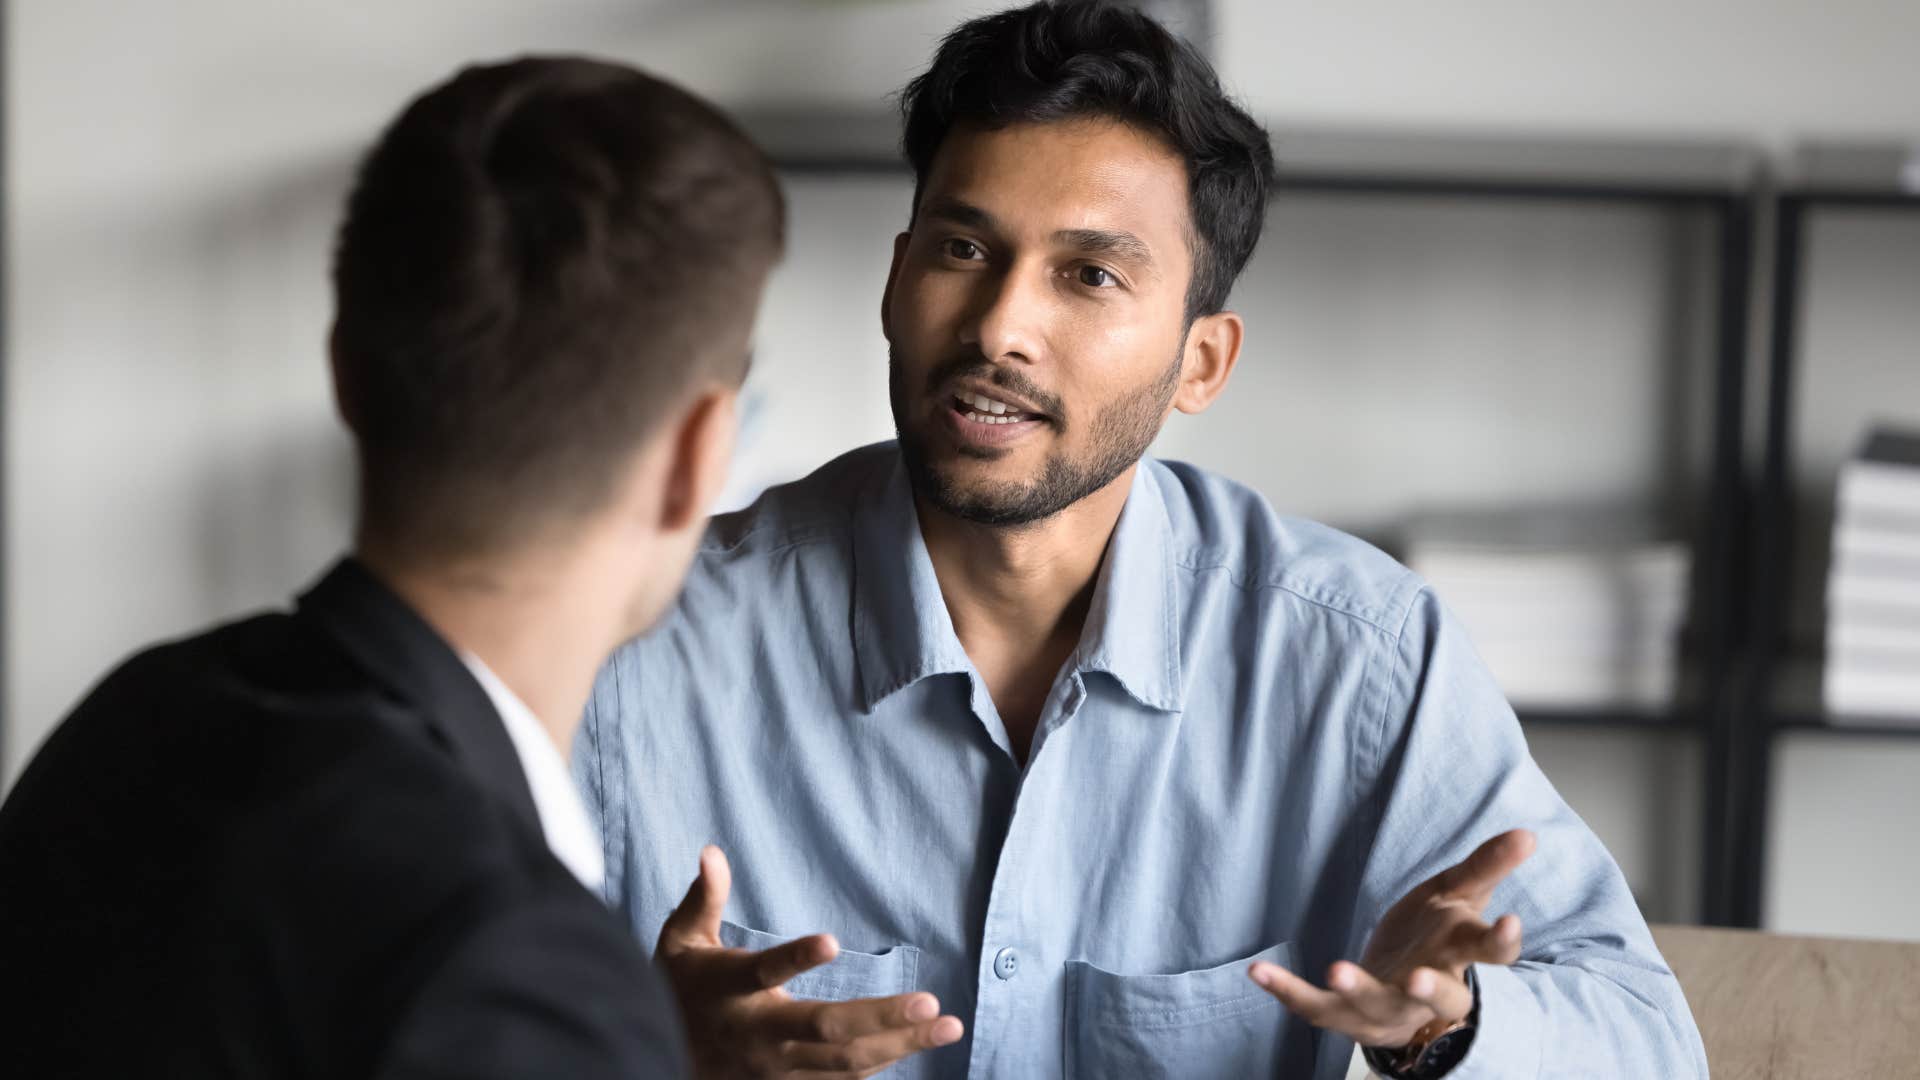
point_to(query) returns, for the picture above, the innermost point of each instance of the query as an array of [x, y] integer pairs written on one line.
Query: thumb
[[696, 922]]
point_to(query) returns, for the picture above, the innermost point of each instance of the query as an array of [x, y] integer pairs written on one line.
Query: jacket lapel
[[398, 649]]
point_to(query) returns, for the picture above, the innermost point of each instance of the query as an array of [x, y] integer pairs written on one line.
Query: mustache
[[965, 366]]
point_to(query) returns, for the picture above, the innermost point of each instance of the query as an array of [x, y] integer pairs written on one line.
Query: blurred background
[[1588, 311]]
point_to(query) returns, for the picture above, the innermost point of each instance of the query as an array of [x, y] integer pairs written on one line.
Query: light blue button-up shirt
[[1268, 734]]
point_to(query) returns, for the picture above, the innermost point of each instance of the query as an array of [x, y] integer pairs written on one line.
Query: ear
[[1213, 348], [346, 395], [701, 451], [886, 294]]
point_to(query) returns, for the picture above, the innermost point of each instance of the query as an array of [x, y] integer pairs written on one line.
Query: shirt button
[[1006, 962]]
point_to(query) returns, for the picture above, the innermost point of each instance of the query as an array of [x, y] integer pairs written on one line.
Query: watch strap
[[1432, 1053]]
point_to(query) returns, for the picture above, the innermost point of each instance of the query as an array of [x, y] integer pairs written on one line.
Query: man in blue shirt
[[1134, 776]]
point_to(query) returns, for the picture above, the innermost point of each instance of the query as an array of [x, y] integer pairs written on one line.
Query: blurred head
[[546, 283], [1085, 196]]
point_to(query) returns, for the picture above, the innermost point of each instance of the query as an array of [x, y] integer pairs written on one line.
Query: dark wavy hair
[[1069, 59]]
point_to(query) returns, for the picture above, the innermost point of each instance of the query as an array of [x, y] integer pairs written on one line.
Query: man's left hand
[[1415, 968]]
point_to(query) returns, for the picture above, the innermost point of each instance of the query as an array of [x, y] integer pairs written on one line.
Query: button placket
[[1006, 946]]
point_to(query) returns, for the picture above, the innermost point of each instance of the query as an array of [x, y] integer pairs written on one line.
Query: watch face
[[1445, 1053]]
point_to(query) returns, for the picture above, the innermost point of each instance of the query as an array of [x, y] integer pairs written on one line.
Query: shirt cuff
[[1507, 1037]]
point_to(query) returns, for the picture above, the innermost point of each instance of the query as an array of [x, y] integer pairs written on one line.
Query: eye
[[964, 250], [1096, 277]]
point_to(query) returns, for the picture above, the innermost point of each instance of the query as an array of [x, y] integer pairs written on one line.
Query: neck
[[1027, 586], [535, 619]]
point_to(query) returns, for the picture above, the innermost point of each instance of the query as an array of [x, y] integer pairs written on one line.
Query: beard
[[1118, 436]]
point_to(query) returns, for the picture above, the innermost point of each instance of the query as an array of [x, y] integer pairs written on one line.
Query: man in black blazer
[[342, 841]]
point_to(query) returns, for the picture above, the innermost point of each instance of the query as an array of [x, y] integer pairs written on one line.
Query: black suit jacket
[[302, 846]]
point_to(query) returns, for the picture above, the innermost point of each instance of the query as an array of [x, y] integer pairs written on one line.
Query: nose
[[1009, 316]]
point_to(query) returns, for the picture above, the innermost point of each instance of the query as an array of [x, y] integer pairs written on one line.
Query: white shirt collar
[[570, 835]]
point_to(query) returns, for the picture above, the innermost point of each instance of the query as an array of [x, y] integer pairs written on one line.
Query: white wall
[[1763, 69], [1840, 851], [175, 171]]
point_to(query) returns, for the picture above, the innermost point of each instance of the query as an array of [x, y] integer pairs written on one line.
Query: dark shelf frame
[[1864, 179], [1718, 179]]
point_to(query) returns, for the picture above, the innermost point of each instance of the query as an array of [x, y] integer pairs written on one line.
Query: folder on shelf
[[1873, 583], [1569, 607]]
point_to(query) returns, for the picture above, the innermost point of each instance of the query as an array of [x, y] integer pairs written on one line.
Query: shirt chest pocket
[[849, 976], [1211, 1023]]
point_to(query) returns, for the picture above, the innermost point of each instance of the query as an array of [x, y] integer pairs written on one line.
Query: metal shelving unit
[[1779, 694], [1715, 179]]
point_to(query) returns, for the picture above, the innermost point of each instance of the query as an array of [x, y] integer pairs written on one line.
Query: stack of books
[[1568, 607], [1873, 586]]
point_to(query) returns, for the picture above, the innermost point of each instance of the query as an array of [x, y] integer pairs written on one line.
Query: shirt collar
[[901, 630], [1133, 625], [903, 634], [563, 819]]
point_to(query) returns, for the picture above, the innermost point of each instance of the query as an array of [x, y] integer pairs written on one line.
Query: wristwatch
[[1434, 1049]]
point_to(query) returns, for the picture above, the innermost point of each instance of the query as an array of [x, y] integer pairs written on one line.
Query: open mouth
[[978, 408]]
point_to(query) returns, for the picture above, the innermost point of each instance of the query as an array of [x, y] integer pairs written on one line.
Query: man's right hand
[[741, 1022]]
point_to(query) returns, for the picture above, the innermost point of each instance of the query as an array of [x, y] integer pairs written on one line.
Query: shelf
[[1861, 174], [1795, 705], [1611, 716], [1510, 165], [827, 140], [1824, 724], [1323, 159]]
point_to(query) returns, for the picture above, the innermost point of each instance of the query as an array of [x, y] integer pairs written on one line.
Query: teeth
[[978, 417], [981, 409], [986, 404]]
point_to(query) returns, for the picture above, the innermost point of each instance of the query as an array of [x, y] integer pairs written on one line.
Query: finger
[[1378, 1002], [845, 1021], [1499, 943], [1440, 992], [1474, 877], [1330, 1009], [1474, 942], [874, 1052], [1321, 1008], [773, 967], [696, 921]]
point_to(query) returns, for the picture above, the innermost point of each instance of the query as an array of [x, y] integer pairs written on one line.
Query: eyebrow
[[955, 212], [1112, 243]]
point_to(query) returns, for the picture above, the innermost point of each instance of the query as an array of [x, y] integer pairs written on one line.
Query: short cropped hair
[[1070, 59], [539, 259]]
